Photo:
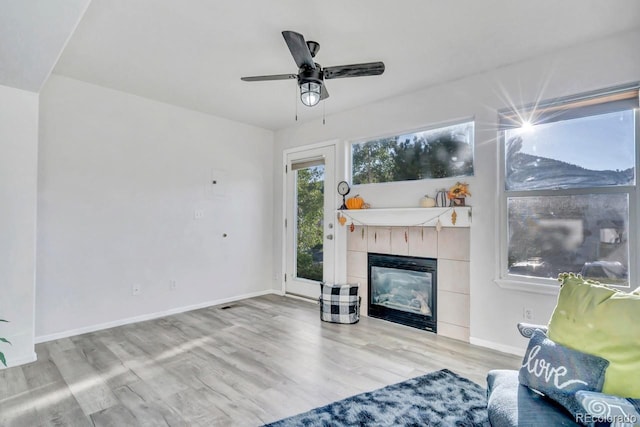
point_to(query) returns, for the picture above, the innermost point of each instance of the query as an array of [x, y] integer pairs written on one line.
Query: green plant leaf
[[3, 360], [5, 340]]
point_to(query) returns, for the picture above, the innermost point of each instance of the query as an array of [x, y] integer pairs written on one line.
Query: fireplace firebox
[[403, 289]]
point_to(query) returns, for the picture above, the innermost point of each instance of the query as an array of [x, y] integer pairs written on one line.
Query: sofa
[[583, 368]]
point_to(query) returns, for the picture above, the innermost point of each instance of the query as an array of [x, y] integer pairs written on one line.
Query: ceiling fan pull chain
[[324, 113], [295, 101]]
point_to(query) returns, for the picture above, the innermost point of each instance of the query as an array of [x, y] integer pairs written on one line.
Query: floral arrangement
[[458, 191]]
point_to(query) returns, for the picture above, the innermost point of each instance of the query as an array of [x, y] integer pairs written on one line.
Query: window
[[310, 218], [433, 153], [570, 188]]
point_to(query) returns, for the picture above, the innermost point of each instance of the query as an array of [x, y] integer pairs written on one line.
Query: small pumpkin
[[355, 202], [441, 198], [427, 202]]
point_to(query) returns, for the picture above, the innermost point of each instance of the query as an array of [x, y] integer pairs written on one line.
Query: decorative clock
[[343, 190]]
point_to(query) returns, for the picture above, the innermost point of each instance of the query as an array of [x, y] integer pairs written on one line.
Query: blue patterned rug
[[440, 398]]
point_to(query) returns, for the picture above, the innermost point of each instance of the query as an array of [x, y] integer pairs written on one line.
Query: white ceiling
[[32, 36], [192, 53]]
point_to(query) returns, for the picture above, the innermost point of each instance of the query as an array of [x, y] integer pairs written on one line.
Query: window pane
[[435, 153], [585, 234], [594, 151], [309, 222]]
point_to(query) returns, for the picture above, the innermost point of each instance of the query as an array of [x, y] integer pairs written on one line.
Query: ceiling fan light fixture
[[311, 75], [310, 93]]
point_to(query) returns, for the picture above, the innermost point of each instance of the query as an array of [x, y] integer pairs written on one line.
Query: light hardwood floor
[[258, 361]]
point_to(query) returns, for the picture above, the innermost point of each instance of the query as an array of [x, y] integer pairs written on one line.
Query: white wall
[[120, 179], [494, 311], [18, 197]]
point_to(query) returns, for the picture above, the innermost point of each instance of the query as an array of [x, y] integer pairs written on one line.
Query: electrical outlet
[[136, 289], [198, 214], [527, 314], [173, 285]]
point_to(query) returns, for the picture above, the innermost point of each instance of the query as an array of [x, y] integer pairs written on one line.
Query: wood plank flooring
[[258, 361]]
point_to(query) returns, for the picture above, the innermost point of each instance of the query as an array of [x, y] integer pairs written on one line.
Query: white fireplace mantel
[[454, 216]]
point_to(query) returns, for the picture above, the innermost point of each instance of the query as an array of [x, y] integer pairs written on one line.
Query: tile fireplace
[[403, 289], [449, 247]]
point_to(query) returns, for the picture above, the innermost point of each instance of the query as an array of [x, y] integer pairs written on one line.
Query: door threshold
[[301, 298]]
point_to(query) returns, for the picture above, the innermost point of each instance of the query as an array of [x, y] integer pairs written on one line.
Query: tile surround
[[453, 243], [453, 276], [379, 240], [453, 331], [357, 240], [450, 246], [449, 308], [399, 241], [423, 242], [357, 264]]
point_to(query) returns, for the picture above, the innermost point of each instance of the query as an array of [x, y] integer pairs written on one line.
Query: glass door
[[309, 221]]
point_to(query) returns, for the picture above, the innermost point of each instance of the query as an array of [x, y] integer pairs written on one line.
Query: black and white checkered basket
[[339, 303]]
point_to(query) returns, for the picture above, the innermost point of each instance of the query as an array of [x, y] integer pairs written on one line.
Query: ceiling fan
[[311, 75]]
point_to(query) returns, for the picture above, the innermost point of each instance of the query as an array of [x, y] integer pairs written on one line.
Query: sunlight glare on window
[[526, 127], [569, 188]]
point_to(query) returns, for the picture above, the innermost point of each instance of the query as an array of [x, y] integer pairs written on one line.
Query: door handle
[[329, 236]]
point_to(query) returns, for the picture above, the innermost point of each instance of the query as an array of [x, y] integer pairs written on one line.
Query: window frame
[[441, 125], [506, 117]]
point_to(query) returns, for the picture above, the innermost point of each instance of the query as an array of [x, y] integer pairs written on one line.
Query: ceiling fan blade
[[299, 49], [355, 70], [271, 77], [323, 93]]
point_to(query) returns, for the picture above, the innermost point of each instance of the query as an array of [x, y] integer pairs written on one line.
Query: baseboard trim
[[149, 316], [497, 346], [11, 362]]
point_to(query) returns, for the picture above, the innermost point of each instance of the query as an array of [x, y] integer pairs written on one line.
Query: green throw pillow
[[595, 319]]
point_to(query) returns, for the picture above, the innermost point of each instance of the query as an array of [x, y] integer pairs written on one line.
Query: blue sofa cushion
[[598, 408], [511, 404], [527, 329], [559, 372]]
